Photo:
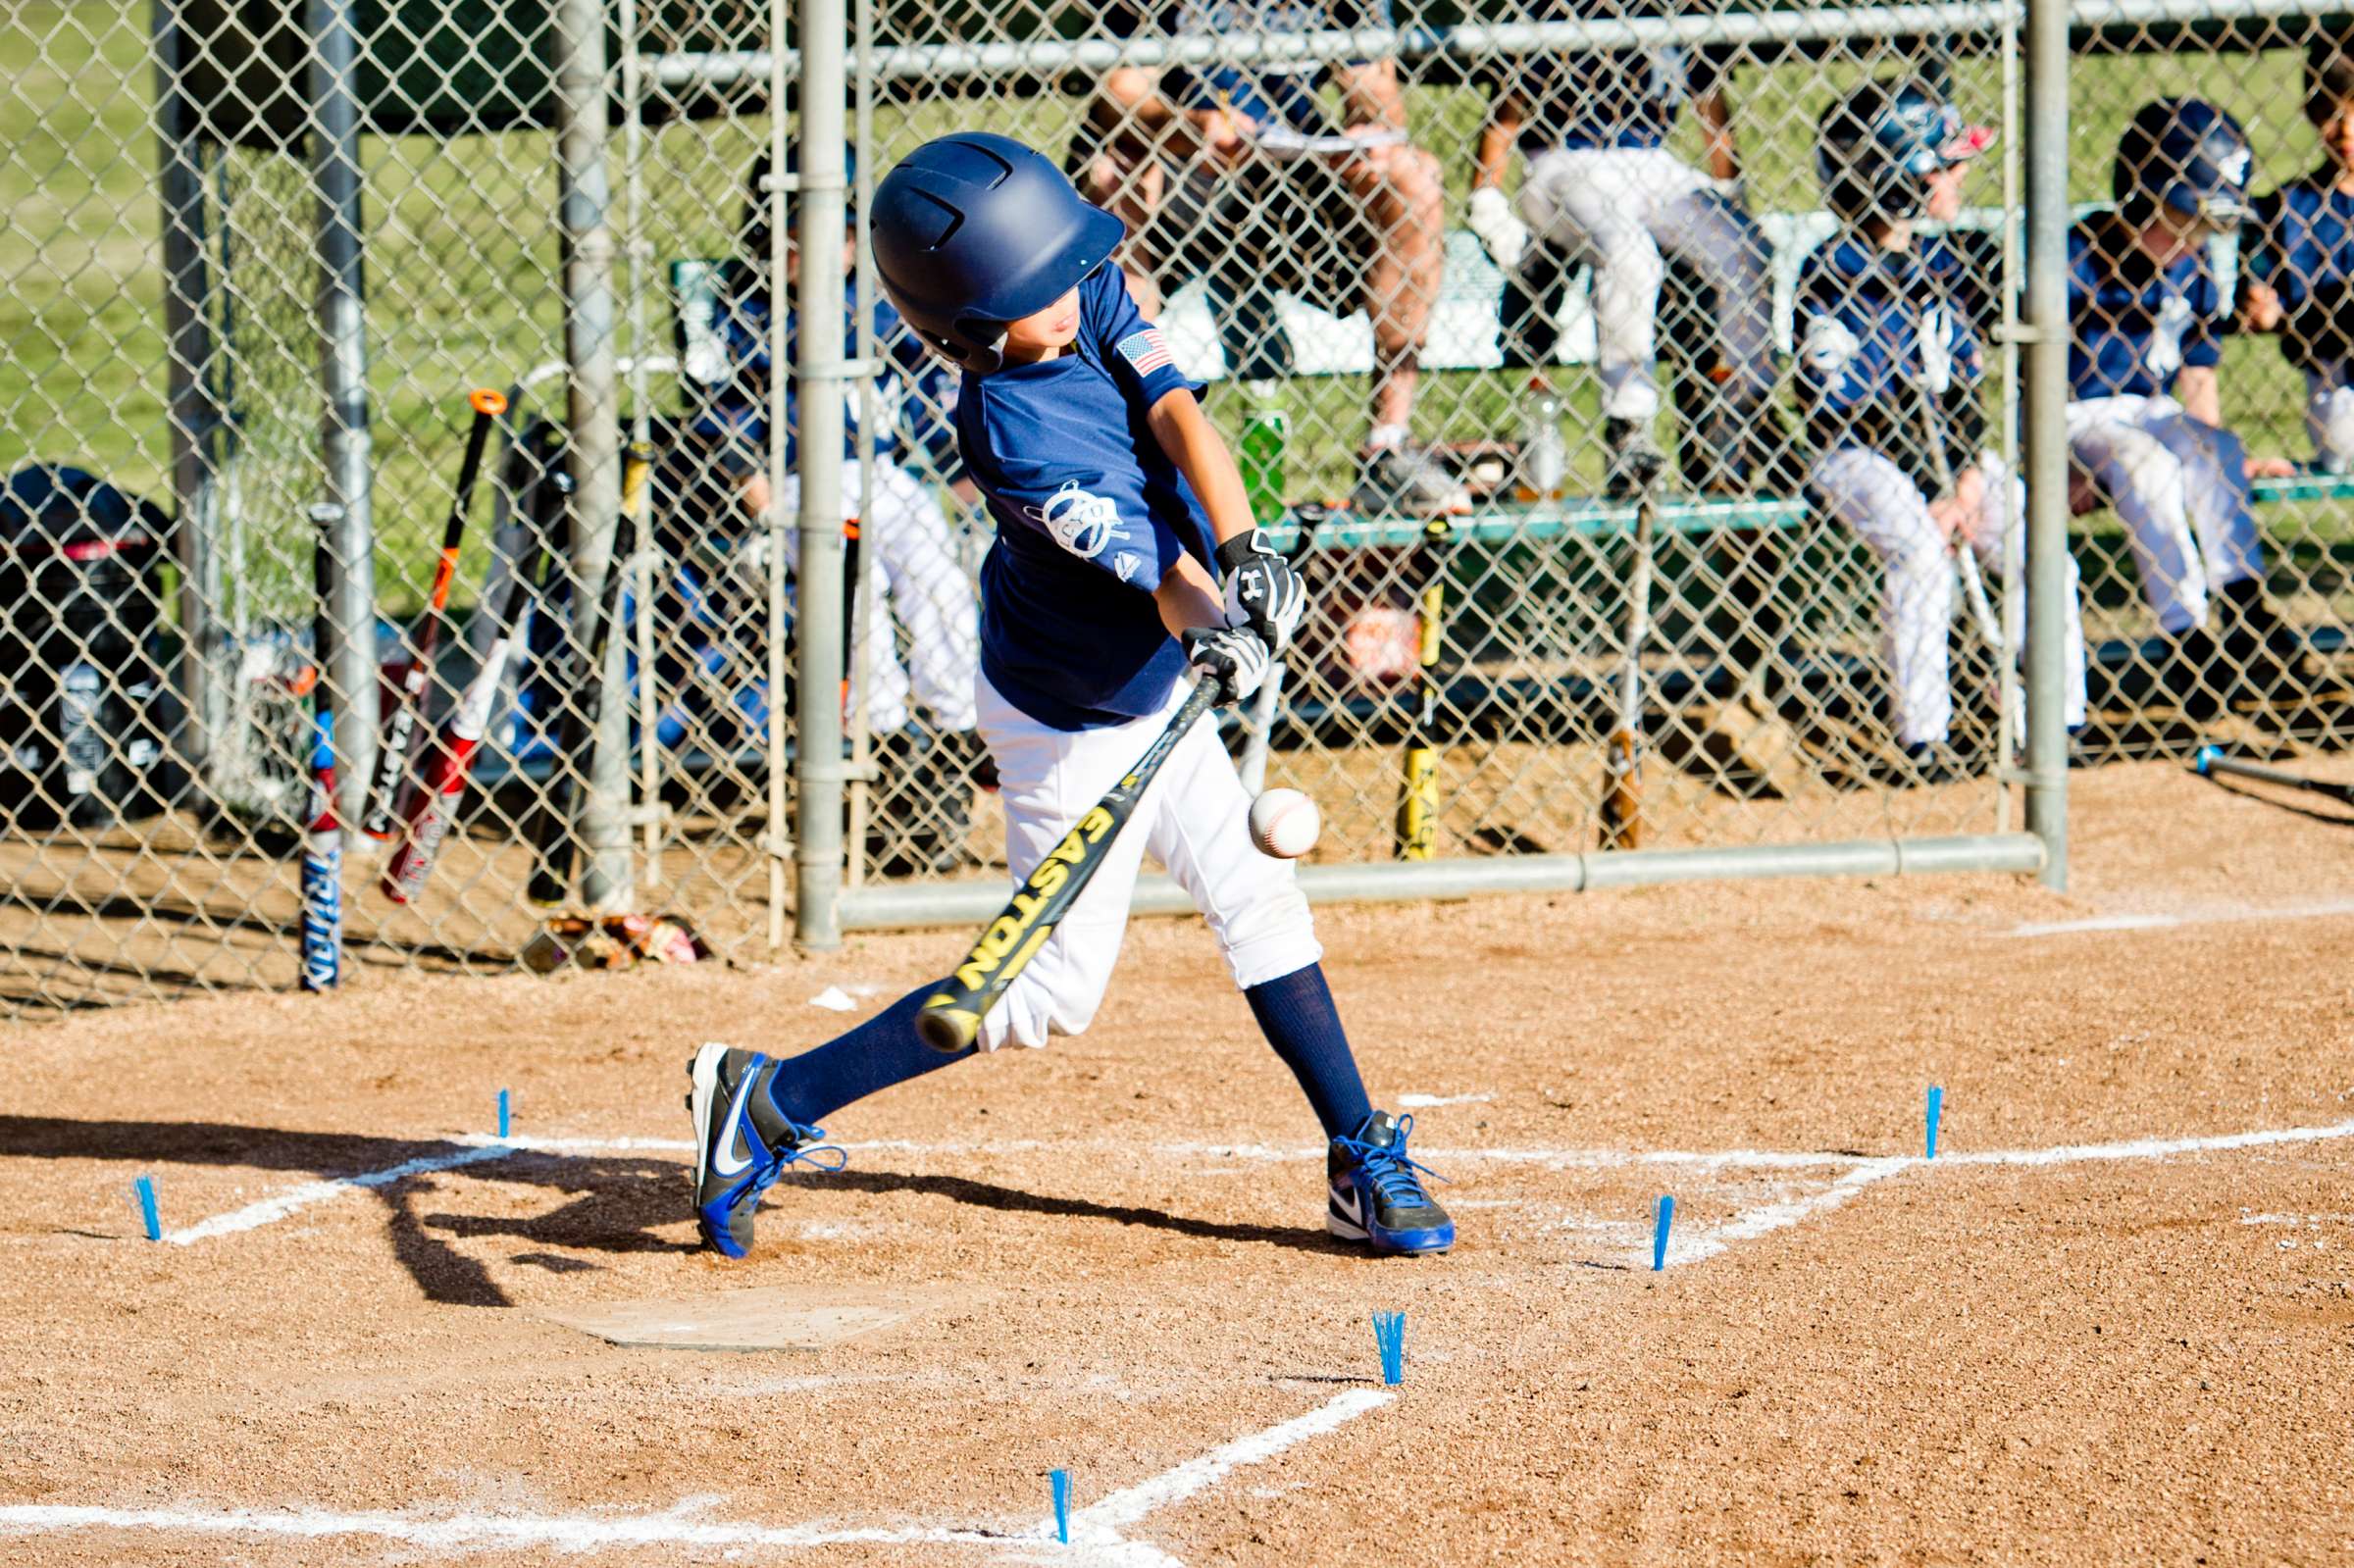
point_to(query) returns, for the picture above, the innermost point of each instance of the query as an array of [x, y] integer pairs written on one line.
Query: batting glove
[[1501, 233], [1262, 590], [1231, 655]]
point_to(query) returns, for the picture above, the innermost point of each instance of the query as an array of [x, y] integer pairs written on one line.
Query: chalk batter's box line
[[1100, 1525], [1858, 1171]]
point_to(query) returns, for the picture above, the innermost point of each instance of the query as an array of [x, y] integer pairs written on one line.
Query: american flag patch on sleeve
[[1146, 350]]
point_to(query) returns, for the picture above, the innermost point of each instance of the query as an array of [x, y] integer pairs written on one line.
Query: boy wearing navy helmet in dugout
[[2300, 241], [1889, 361], [2145, 411], [924, 788], [1115, 502]]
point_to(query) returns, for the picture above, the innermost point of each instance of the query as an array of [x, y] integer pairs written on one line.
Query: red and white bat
[[430, 804], [377, 821]]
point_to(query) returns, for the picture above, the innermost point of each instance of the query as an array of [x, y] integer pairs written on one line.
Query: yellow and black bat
[[1622, 760], [1418, 787], [950, 1017]]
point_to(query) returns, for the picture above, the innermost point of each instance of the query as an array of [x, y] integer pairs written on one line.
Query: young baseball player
[[2145, 416], [1889, 362], [1602, 186], [1114, 501], [2303, 248]]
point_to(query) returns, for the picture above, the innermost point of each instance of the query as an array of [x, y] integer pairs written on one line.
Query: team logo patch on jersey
[[1080, 521], [1146, 350], [1828, 347]]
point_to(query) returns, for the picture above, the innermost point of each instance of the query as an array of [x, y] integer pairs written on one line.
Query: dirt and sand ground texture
[[2112, 1321]]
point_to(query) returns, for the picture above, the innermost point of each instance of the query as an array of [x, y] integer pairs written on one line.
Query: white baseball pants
[[1874, 497], [2181, 486], [923, 586], [1617, 208], [1193, 819], [2329, 420]]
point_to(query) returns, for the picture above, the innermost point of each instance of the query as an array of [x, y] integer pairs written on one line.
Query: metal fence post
[[584, 203], [197, 416], [2046, 447], [820, 376], [343, 372]]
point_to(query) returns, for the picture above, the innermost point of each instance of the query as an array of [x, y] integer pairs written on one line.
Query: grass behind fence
[[463, 266]]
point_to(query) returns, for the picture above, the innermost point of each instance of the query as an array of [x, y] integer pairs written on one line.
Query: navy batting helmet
[[1880, 144], [974, 231], [2183, 154]]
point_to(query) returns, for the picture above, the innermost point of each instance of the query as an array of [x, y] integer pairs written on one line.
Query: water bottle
[[1266, 429], [80, 739], [1544, 453]]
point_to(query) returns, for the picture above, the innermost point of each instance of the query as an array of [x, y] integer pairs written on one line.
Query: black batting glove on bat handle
[[1263, 590], [1233, 656]]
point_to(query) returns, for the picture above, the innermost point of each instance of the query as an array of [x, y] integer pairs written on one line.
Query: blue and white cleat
[[1377, 1197], [742, 1143]]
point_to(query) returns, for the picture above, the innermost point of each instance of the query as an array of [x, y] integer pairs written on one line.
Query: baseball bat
[[2210, 762], [321, 876], [1418, 787], [1311, 516], [555, 847], [431, 803], [377, 820], [950, 1017], [1622, 758], [1973, 586]]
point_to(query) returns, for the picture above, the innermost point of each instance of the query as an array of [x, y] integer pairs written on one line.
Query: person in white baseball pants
[[1873, 496], [2180, 485], [1192, 820], [921, 583]]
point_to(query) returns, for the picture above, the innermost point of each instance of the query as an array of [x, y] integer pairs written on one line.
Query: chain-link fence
[[1653, 473]]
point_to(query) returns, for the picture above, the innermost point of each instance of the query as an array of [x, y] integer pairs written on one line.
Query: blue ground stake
[[1659, 1232], [1062, 1504], [1389, 1336], [502, 1115], [144, 1188], [1936, 1107]]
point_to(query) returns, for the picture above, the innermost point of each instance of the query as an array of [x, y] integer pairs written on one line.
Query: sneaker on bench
[[1410, 482]]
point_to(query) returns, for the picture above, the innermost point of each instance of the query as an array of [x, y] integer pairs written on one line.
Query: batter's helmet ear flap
[[973, 231]]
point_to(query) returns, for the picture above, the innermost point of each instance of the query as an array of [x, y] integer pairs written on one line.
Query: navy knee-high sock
[[878, 1053], [1297, 1013]]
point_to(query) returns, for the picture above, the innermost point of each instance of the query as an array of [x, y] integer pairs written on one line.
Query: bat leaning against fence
[[554, 842], [376, 820], [1622, 758], [950, 1017], [1418, 784], [323, 839], [431, 803]]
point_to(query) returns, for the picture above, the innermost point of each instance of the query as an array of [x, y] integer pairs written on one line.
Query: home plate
[[742, 1320]]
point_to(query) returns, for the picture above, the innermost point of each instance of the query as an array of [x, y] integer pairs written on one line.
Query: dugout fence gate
[[259, 255]]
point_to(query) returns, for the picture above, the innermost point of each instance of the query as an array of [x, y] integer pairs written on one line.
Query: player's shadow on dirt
[[1009, 1199], [616, 1201]]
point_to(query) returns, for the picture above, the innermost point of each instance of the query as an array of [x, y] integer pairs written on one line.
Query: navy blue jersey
[[2135, 324], [1091, 514], [1273, 92], [2302, 243], [1875, 328], [1601, 98], [738, 410]]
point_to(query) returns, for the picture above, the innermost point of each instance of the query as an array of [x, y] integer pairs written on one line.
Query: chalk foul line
[[471, 1150], [1096, 1530]]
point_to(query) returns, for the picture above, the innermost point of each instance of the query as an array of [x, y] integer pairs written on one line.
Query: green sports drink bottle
[[1266, 429]]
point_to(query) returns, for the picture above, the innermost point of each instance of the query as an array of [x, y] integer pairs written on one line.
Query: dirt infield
[[2113, 1322]]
